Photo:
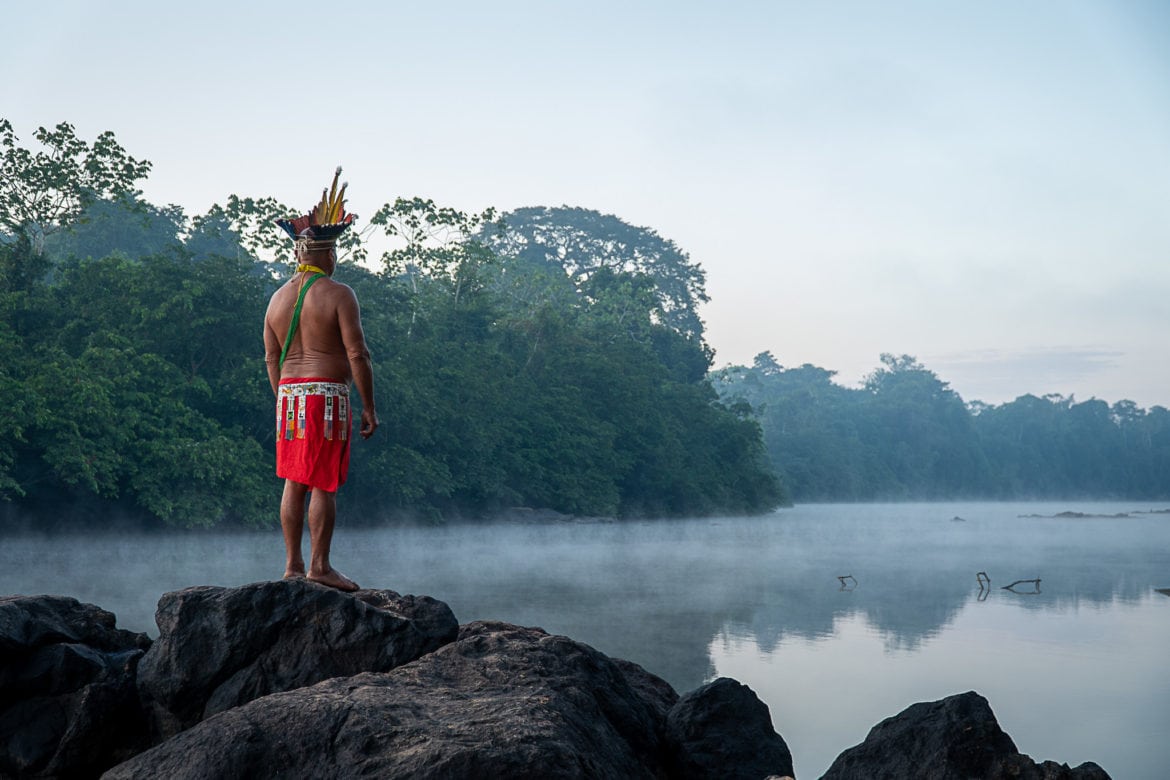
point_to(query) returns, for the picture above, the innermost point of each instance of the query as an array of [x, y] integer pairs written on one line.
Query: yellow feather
[[332, 202], [339, 204], [321, 213]]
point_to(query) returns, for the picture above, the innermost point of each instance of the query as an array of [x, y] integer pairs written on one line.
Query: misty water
[[1076, 672]]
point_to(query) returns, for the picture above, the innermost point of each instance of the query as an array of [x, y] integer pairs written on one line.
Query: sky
[[984, 186]]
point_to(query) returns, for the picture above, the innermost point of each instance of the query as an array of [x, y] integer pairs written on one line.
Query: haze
[[982, 186], [758, 599]]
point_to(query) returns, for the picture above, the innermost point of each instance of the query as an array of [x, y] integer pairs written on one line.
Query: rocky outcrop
[[501, 701], [722, 730], [219, 648], [290, 679], [957, 738], [68, 704]]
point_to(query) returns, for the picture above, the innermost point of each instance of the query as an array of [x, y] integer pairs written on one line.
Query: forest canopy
[[906, 435], [132, 347], [548, 357]]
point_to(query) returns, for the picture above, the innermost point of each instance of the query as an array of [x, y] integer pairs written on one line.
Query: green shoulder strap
[[296, 318]]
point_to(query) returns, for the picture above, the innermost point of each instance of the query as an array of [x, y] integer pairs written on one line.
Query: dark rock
[[1021, 767], [501, 701], [956, 738], [68, 705], [653, 689], [723, 730], [219, 648]]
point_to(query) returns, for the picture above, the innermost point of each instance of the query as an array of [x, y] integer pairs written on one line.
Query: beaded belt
[[314, 388], [336, 402]]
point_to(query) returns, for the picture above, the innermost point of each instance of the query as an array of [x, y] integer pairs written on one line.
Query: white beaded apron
[[291, 403]]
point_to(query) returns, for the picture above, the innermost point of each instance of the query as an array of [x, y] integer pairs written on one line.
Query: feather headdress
[[327, 220]]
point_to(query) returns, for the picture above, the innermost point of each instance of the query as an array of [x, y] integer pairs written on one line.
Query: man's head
[[322, 254], [317, 232]]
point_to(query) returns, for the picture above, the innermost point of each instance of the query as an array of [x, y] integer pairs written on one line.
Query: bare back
[[327, 340]]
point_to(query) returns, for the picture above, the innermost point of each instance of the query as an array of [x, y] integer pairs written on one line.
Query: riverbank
[[288, 676], [745, 598]]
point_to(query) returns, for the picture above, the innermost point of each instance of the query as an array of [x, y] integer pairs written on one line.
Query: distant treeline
[[907, 435], [549, 357], [553, 359]]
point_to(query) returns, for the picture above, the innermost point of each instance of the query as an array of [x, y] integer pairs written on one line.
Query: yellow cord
[[312, 269]]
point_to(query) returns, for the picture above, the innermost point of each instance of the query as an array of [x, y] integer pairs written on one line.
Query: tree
[[115, 424], [437, 252], [128, 226], [926, 427], [21, 406], [137, 379], [580, 242], [811, 428], [438, 242], [45, 191], [247, 227]]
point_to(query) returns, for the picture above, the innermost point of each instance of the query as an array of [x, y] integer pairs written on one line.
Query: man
[[314, 346]]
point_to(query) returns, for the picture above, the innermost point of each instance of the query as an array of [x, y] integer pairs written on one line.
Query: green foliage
[[120, 406], [906, 435], [554, 358], [18, 408], [243, 227], [127, 226], [132, 355], [576, 243], [44, 191], [568, 407], [924, 430], [436, 250]]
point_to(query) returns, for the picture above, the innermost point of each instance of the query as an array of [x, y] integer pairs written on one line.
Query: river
[[1074, 672]]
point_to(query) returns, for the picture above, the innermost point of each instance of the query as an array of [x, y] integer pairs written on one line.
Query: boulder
[[500, 701], [957, 738], [219, 648], [68, 704], [653, 689], [723, 730]]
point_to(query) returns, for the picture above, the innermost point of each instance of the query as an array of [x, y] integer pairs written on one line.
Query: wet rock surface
[[219, 648], [68, 703], [956, 738]]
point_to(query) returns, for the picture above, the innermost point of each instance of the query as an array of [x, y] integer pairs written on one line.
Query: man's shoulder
[[336, 287], [330, 294], [280, 292]]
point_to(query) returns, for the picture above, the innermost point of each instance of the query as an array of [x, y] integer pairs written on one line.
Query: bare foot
[[292, 574], [334, 579]]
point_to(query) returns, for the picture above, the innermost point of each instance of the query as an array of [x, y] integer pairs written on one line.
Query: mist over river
[[1075, 672]]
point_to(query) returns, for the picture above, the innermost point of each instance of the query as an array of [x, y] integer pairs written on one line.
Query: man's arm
[[350, 320], [272, 347]]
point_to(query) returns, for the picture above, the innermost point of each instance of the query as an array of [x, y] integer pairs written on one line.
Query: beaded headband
[[305, 244]]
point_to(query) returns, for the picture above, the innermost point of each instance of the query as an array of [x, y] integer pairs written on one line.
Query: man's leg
[[292, 523], [322, 515]]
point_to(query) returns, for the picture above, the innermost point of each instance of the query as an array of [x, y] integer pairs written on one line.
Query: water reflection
[[1072, 684]]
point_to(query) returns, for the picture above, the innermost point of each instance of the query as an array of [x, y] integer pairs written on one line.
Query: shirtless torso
[[328, 342]]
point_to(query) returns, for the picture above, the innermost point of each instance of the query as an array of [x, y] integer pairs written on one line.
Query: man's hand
[[369, 423]]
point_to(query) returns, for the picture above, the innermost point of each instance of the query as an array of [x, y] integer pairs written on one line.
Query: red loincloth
[[312, 432]]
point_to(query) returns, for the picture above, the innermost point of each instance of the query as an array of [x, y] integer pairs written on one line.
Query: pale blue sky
[[983, 185]]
